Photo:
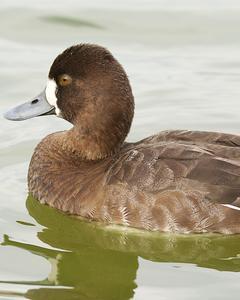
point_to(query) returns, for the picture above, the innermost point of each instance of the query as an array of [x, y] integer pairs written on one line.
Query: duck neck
[[96, 140], [88, 146]]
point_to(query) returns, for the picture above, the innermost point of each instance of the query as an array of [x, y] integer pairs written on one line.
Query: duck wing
[[204, 162], [222, 144]]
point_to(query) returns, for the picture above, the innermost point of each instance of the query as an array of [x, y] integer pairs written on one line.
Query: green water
[[183, 60], [91, 261]]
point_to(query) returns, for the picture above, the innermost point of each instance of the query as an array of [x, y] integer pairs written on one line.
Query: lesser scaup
[[175, 181]]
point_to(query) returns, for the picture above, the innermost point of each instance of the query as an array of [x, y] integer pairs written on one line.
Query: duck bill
[[39, 106]]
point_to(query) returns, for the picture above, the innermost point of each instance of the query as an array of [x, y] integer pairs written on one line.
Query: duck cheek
[[51, 92]]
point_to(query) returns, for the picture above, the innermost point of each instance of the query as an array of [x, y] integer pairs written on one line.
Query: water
[[183, 60]]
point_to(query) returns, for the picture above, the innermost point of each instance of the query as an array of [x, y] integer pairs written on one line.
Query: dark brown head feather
[[79, 59], [99, 101]]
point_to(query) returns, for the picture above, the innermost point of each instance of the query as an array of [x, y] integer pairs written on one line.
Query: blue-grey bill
[[39, 106]]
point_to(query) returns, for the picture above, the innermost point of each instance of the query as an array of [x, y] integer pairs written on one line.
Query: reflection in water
[[99, 262]]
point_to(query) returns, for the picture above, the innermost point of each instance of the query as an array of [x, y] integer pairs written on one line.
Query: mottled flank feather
[[164, 183]]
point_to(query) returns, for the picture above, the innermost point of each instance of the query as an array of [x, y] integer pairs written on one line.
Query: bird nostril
[[34, 101]]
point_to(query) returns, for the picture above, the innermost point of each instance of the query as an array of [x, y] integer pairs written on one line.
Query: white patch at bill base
[[50, 91]]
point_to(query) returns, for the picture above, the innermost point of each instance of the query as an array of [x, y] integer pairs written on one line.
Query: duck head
[[89, 88]]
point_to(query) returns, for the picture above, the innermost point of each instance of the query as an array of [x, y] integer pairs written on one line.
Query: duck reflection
[[99, 262]]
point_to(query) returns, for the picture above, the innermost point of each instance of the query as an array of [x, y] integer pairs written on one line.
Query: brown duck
[[174, 181]]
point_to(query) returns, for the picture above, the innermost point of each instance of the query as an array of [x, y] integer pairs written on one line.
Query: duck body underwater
[[175, 181]]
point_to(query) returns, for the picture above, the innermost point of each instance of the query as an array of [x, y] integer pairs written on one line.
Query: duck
[[176, 181]]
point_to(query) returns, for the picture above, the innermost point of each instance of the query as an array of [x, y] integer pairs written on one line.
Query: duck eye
[[64, 80]]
